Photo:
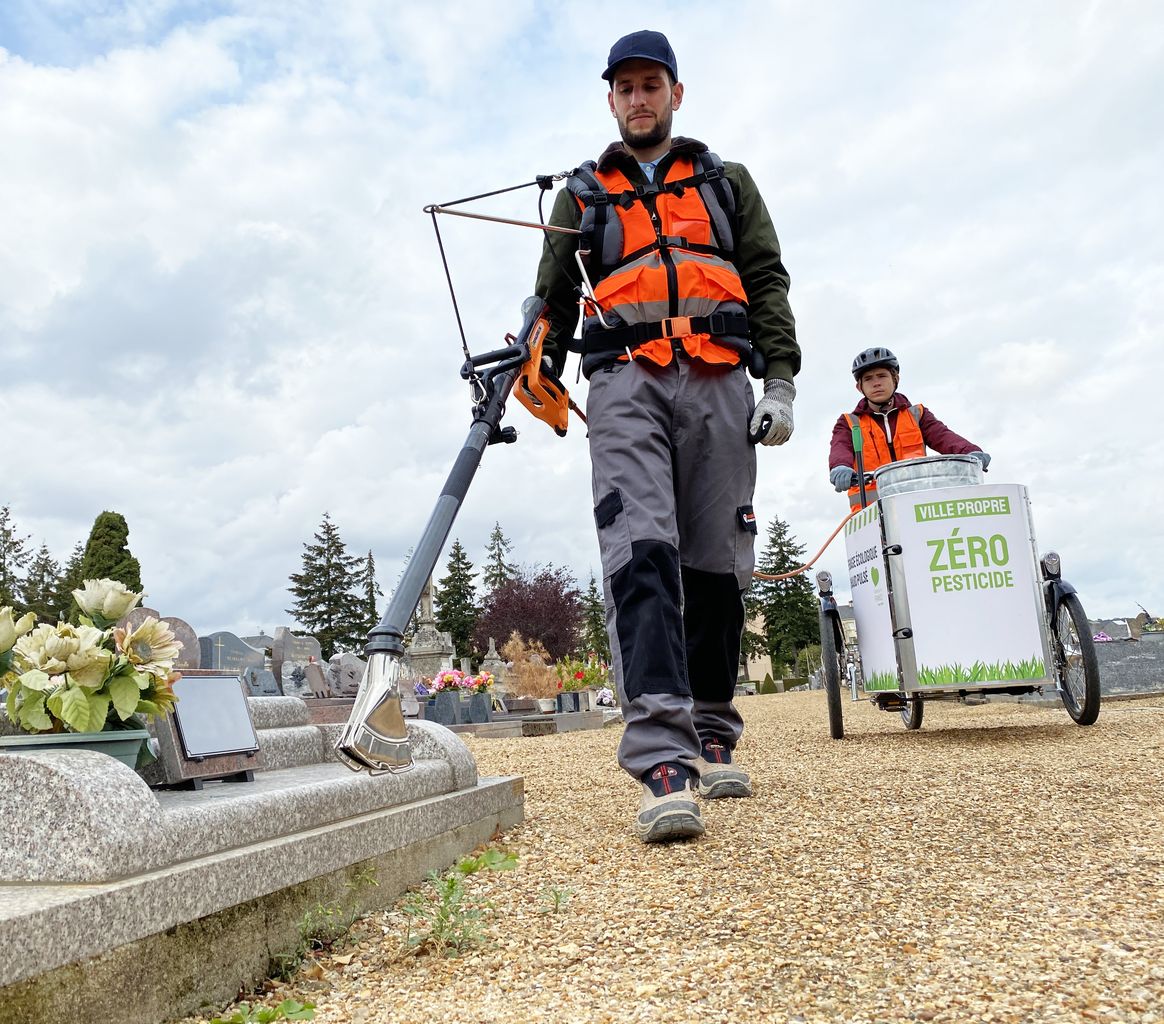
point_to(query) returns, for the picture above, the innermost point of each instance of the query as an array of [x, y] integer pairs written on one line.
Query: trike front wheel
[[1076, 666], [831, 665]]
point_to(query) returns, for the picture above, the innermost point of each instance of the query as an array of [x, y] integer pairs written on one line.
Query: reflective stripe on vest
[[662, 251], [907, 444]]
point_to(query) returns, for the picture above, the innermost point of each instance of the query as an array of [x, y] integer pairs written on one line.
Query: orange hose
[[808, 565]]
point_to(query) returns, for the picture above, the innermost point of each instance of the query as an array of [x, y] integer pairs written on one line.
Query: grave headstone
[[313, 671], [225, 652], [260, 640], [136, 617], [191, 653], [344, 674], [495, 666], [260, 682], [290, 655]]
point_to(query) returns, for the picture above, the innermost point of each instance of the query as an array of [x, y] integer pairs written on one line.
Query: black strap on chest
[[602, 235]]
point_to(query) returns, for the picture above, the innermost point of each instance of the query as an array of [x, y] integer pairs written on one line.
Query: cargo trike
[[951, 601]]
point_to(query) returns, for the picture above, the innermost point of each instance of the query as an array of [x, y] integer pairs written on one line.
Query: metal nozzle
[[376, 738]]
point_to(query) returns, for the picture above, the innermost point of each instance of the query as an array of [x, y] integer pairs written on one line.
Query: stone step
[[278, 712], [291, 747]]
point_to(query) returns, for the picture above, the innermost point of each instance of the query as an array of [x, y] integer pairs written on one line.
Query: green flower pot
[[122, 744]]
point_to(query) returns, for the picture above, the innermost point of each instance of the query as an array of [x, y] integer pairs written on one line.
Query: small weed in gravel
[[554, 898], [445, 919]]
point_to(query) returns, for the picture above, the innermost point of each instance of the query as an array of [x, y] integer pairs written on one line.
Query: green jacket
[[757, 258]]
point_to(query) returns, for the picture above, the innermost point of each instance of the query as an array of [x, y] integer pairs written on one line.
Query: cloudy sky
[[222, 309]]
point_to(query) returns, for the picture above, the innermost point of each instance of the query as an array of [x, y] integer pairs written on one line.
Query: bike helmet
[[872, 358]]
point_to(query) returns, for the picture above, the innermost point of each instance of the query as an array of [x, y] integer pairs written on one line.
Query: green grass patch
[[981, 672], [882, 681]]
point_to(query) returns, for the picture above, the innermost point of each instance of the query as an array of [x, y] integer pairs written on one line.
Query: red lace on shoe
[[664, 774], [714, 750]]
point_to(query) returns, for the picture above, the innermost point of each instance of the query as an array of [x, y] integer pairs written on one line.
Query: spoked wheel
[[831, 663], [1075, 663], [911, 713]]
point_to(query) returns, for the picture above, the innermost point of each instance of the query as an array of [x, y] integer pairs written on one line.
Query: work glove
[[777, 405], [982, 457], [842, 478]]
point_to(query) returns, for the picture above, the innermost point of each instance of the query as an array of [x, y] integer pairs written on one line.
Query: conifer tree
[[13, 556], [414, 618], [69, 580], [325, 592], [785, 610], [497, 571], [455, 602], [369, 591], [42, 586], [107, 554], [594, 636]]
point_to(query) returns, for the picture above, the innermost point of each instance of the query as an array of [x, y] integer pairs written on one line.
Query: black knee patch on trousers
[[713, 622], [649, 624]]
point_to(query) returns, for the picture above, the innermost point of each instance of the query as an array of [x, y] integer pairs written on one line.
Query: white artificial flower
[[106, 599]]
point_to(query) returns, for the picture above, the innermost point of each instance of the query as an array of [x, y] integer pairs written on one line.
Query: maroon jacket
[[935, 433]]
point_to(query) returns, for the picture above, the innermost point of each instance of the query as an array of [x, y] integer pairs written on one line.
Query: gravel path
[[1002, 864]]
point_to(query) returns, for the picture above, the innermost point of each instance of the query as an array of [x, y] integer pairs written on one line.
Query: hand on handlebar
[[842, 478]]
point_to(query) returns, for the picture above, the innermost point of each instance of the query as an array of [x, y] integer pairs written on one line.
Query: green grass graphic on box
[[980, 672], [882, 681]]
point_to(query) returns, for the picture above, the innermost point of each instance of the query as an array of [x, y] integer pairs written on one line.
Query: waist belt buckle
[[677, 327]]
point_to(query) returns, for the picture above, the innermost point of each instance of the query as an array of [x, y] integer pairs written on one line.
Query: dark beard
[[646, 140]]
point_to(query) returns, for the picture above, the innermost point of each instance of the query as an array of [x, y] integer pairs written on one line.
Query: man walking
[[689, 291]]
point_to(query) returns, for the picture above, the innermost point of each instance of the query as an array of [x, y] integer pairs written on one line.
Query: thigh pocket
[[746, 531], [614, 541]]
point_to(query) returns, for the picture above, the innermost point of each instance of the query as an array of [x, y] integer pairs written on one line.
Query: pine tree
[[325, 600], [455, 602], [497, 571], [786, 610], [69, 580], [107, 555], [13, 557], [369, 591], [594, 636], [42, 585]]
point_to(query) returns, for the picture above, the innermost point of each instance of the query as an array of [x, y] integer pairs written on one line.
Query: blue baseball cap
[[646, 45]]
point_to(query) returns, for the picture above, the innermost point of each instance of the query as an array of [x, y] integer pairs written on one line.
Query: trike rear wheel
[[1075, 662], [831, 665], [911, 712]]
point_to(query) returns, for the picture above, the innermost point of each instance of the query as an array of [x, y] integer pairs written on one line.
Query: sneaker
[[718, 777], [668, 810]]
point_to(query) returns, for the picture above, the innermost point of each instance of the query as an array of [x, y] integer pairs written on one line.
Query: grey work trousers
[[673, 474]]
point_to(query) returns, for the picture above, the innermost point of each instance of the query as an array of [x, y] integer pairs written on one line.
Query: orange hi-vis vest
[[907, 443], [662, 254]]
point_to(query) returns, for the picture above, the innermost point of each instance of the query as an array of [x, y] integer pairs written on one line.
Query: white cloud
[[214, 242]]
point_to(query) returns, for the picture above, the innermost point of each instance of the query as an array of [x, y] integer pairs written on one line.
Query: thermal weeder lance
[[375, 738]]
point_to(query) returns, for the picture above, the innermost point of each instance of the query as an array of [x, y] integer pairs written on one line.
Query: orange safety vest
[[664, 250], [878, 451]]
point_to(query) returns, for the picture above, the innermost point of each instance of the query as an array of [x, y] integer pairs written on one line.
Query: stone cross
[[426, 612]]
